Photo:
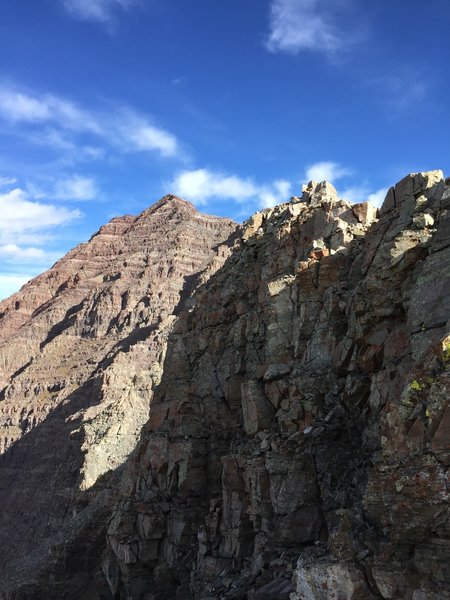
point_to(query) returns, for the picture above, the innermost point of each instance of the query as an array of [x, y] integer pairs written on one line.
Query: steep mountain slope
[[81, 350], [299, 435], [298, 444]]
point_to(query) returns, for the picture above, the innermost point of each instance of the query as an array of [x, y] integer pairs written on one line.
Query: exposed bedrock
[[81, 350], [298, 443]]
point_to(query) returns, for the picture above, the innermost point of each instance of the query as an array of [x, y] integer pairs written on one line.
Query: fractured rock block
[[256, 411], [422, 221], [365, 212], [441, 439], [329, 581]]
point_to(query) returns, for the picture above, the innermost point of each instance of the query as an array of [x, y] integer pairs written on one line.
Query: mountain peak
[[169, 204]]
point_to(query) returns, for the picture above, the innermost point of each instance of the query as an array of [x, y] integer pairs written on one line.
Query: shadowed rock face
[[298, 443], [81, 350]]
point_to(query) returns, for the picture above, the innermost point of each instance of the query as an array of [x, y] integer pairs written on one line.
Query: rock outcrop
[[298, 443], [298, 370], [81, 350]]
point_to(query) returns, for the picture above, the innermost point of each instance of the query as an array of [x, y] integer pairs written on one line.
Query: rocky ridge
[[81, 350], [298, 444]]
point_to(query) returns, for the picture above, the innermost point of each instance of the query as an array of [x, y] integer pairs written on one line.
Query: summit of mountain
[[81, 350]]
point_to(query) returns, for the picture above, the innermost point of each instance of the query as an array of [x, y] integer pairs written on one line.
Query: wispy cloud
[[52, 138], [297, 25], [202, 185], [66, 144], [6, 181], [76, 187], [377, 198], [16, 254], [20, 214], [179, 81], [363, 193], [56, 121], [137, 134], [25, 227], [71, 188], [326, 171], [401, 89], [101, 11], [17, 106]]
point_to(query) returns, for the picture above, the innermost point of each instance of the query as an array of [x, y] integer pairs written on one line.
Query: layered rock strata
[[81, 350], [298, 443]]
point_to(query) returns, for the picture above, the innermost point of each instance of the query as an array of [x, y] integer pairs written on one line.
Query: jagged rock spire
[[314, 193]]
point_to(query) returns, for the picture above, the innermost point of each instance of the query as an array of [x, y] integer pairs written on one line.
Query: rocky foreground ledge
[[299, 435]]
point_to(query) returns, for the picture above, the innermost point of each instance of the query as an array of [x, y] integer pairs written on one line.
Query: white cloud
[[36, 238], [377, 198], [136, 134], [76, 187], [11, 283], [20, 215], [356, 192], [24, 226], [278, 192], [16, 254], [20, 107], [57, 121], [326, 171], [6, 181], [362, 193], [17, 106], [297, 25], [202, 185], [96, 10]]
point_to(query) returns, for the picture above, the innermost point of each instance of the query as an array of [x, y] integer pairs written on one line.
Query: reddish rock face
[[81, 350]]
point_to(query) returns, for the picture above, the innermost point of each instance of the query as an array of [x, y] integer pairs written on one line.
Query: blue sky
[[107, 105]]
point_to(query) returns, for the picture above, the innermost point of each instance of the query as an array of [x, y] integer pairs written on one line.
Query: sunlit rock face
[[81, 350], [298, 443]]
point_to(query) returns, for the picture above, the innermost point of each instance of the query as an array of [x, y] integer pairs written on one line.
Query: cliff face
[[81, 350], [298, 443], [299, 434]]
